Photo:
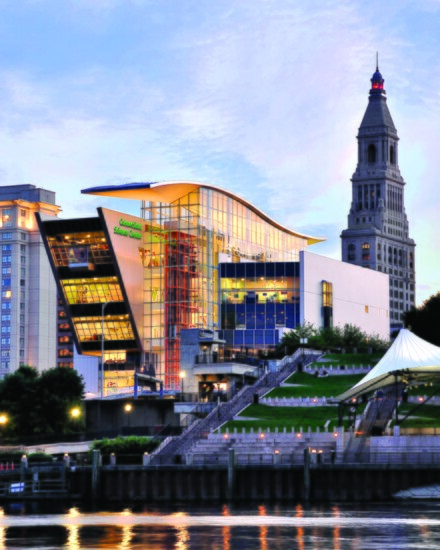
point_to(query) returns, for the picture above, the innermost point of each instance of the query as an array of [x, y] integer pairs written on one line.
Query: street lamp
[[182, 375], [75, 414], [103, 306], [127, 409], [3, 421], [303, 342]]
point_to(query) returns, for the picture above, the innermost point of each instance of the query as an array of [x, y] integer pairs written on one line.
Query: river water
[[406, 525]]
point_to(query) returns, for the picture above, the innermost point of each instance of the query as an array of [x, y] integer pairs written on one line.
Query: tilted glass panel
[[116, 327]]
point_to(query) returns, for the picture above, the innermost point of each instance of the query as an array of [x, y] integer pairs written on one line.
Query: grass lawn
[[288, 417], [349, 359], [316, 386], [427, 416]]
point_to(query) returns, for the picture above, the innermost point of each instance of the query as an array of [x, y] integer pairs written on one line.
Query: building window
[[365, 251], [6, 259], [392, 155], [7, 217], [6, 247], [372, 154], [351, 252], [327, 304], [6, 270], [23, 236], [6, 282], [7, 236]]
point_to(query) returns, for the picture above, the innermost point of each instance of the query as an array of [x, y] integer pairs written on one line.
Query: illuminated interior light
[[261, 436]]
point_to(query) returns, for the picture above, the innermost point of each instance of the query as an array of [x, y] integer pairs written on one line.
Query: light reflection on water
[[264, 527]]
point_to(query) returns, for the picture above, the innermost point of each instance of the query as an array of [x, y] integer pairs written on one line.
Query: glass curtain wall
[[183, 244]]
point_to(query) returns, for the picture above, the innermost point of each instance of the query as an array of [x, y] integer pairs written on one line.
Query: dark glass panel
[[250, 316], [269, 337], [260, 316]]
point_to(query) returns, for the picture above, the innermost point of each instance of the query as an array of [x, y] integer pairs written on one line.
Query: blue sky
[[263, 98]]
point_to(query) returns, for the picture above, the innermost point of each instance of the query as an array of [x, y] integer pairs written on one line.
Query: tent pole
[[397, 401]]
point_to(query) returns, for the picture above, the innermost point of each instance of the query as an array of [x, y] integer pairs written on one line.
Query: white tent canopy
[[409, 359]]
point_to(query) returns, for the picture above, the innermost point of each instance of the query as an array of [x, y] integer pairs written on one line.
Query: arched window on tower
[[351, 252], [392, 155], [372, 154], [379, 254]]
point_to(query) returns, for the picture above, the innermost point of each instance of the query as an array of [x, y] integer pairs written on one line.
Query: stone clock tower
[[377, 236]]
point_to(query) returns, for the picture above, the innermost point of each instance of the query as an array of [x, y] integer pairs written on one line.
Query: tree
[[40, 403], [348, 337], [424, 321]]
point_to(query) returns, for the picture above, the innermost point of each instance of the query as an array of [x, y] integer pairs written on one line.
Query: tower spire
[[377, 61]]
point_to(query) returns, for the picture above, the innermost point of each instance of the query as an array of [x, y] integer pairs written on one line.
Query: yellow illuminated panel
[[116, 327], [89, 291], [327, 294]]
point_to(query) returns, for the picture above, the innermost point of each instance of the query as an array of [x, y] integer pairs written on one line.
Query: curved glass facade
[[184, 243]]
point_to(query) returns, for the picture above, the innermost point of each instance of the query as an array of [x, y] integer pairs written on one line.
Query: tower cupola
[[377, 82]]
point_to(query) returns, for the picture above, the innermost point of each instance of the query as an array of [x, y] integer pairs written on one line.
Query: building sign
[[127, 228]]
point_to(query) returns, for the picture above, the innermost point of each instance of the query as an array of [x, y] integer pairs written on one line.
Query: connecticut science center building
[[199, 282]]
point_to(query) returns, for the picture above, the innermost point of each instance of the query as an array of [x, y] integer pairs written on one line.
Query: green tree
[[40, 403], [348, 337], [424, 321]]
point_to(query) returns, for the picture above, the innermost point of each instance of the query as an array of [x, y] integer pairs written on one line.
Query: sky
[[263, 98]]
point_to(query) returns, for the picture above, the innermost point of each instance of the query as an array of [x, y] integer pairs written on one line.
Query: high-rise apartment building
[[28, 322], [377, 236]]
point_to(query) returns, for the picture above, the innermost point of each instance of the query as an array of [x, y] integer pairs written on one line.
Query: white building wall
[[42, 304], [360, 296], [87, 367]]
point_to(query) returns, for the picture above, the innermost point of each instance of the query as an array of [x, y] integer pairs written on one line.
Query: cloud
[[262, 98]]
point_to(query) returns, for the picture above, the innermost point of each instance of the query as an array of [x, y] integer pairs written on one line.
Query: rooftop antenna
[[377, 61]]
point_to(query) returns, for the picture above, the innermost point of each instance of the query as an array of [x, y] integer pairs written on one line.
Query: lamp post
[[103, 306], [3, 421], [75, 413], [127, 409], [182, 375], [303, 342]]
